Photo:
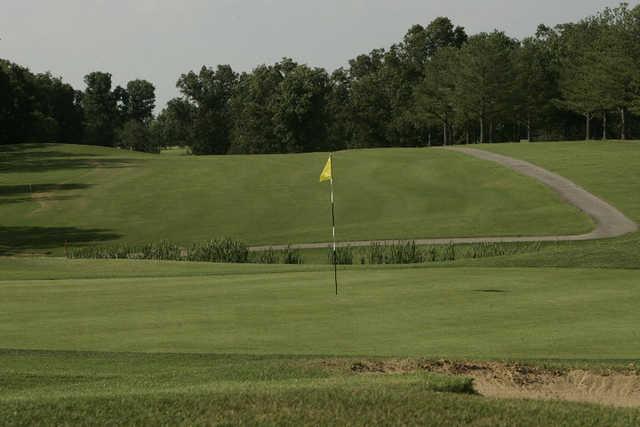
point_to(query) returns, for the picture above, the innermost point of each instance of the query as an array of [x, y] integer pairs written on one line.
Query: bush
[[136, 135]]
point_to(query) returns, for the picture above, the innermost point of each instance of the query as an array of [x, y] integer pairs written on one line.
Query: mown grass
[[607, 169], [618, 253], [238, 316], [449, 312], [52, 194], [75, 388]]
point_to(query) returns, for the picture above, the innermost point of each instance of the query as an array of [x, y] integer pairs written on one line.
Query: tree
[[422, 44], [484, 81], [617, 68], [370, 100], [633, 25], [280, 108], [59, 105], [174, 124], [100, 111], [135, 135], [140, 101], [300, 109], [37, 107], [535, 81], [435, 94], [210, 92], [339, 125]]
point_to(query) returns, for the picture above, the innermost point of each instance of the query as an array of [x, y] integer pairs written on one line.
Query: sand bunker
[[512, 380]]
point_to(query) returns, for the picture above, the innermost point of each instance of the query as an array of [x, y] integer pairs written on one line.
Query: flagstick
[[333, 229]]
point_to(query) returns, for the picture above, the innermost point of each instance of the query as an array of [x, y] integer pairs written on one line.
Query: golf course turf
[[131, 342], [456, 312], [52, 194]]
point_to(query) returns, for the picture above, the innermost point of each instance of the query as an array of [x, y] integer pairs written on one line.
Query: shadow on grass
[[33, 158], [14, 240], [24, 193], [490, 291], [11, 190]]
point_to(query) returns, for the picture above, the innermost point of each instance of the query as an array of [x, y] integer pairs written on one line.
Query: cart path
[[610, 222]]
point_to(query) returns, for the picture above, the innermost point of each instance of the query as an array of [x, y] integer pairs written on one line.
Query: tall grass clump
[[489, 249], [376, 254], [404, 253], [95, 252], [448, 253], [291, 256], [163, 250], [268, 256], [219, 250], [395, 253], [344, 256], [287, 255]]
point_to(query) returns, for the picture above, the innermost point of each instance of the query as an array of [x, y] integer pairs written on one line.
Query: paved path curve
[[610, 222]]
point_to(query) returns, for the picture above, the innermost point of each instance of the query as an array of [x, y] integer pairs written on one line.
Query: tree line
[[438, 86], [42, 108]]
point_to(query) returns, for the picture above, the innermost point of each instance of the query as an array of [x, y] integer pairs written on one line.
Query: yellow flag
[[326, 172]]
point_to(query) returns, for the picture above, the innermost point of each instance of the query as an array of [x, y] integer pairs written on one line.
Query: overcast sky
[[158, 40]]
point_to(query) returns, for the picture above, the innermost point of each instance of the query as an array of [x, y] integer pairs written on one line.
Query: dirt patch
[[513, 380], [43, 200]]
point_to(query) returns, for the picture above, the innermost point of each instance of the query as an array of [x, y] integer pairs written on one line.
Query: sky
[[158, 40]]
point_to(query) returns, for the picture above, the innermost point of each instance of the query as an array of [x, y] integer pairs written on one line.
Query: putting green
[[450, 312]]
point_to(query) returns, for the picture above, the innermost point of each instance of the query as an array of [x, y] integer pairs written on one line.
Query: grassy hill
[[50, 194], [194, 343], [608, 169]]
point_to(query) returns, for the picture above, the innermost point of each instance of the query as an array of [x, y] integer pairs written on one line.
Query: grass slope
[[50, 194], [457, 313], [67, 388], [608, 170]]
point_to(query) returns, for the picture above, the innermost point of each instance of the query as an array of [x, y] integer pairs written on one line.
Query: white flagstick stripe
[[333, 227]]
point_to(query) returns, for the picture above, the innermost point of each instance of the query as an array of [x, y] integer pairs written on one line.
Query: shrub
[[136, 135]]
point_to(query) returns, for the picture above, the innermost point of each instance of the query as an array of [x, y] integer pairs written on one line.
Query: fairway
[[52, 194], [448, 312]]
